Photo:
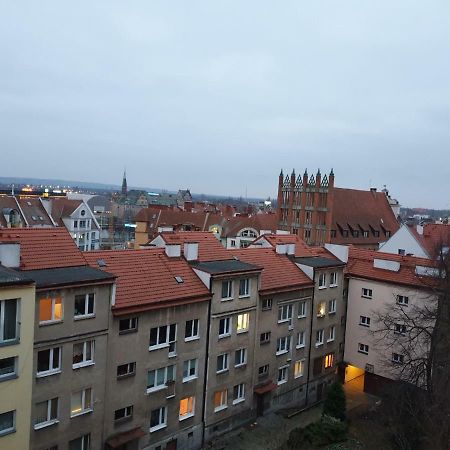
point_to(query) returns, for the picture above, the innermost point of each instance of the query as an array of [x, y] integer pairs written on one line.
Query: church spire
[[124, 183]]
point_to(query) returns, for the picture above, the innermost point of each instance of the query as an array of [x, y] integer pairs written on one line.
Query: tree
[[335, 404]]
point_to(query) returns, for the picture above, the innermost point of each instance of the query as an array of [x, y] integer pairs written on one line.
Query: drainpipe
[[310, 340]]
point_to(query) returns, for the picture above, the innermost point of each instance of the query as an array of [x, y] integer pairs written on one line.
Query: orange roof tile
[[302, 249], [279, 272], [434, 236], [44, 248], [146, 279]]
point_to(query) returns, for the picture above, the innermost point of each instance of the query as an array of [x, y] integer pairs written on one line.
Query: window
[[128, 325], [284, 313], [158, 379], [363, 348], [125, 370], [240, 357], [158, 419], [282, 375], [227, 290], [244, 287], [81, 443], [8, 368], [238, 393], [403, 300], [165, 336], [9, 320], [83, 354], [332, 306], [50, 310], [366, 293], [331, 334], [84, 306], [123, 413], [243, 322], [263, 370], [333, 279], [7, 422], [321, 309], [75, 223], [322, 280], [46, 413], [328, 360], [187, 406], [222, 363], [319, 337], [224, 327], [248, 233], [189, 369], [364, 321], [81, 402], [398, 359], [266, 304], [299, 368], [400, 329], [233, 243], [191, 330], [220, 400], [301, 309], [401, 251], [49, 361], [264, 338], [283, 345], [301, 339]]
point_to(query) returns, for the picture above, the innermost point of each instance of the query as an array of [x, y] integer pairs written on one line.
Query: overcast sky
[[218, 96]]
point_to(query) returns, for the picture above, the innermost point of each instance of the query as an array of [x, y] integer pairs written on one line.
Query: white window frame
[[52, 370], [364, 321], [223, 400], [229, 290], [302, 309], [264, 372], [191, 413], [333, 279], [12, 429], [130, 322], [2, 321], [242, 319], [49, 421], [332, 306], [401, 300], [158, 387], [363, 348], [227, 329], [331, 333], [283, 371], [285, 313], [266, 304], [85, 362], [86, 315], [187, 365], [85, 441], [246, 290], [167, 342], [398, 358], [242, 352], [321, 309], [266, 335], [400, 329], [283, 345], [367, 293], [162, 419], [52, 320], [8, 375], [322, 280], [319, 337], [195, 323], [225, 363], [129, 372], [238, 393], [128, 413], [84, 409], [299, 368], [301, 338]]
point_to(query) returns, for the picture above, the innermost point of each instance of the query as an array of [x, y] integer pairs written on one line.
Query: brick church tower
[[305, 206]]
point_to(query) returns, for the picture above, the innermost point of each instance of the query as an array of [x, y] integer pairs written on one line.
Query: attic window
[[179, 280], [29, 203], [41, 218], [101, 263], [34, 217]]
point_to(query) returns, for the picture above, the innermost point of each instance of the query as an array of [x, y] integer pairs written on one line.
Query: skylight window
[[101, 263], [179, 280]]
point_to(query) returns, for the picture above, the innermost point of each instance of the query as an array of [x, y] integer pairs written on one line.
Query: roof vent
[[101, 263], [179, 280]]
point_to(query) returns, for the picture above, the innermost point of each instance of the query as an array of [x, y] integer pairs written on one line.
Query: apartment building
[[157, 345], [17, 293], [69, 354]]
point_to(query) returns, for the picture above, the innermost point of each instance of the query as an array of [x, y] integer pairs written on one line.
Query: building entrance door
[[172, 445]]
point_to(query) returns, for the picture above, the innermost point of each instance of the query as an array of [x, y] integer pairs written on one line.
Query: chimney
[[10, 254], [419, 229], [191, 251], [291, 249], [281, 249], [373, 189], [173, 250]]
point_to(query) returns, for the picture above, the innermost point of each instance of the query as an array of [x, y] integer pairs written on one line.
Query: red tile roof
[[146, 279], [361, 210], [434, 236], [279, 273], [44, 248], [34, 212], [209, 248], [302, 249], [361, 264], [258, 222], [63, 207]]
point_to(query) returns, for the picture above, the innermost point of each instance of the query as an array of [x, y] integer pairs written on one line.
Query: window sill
[[365, 296], [219, 372], [82, 413], [240, 400], [284, 321], [187, 416], [281, 382], [49, 322], [126, 375], [227, 299], [298, 376], [156, 389], [190, 339], [330, 340], [220, 408], [245, 296], [84, 317], [48, 373], [158, 427], [242, 331], [298, 347], [132, 330], [320, 316], [223, 336], [283, 352], [331, 313], [41, 425], [187, 379], [157, 347], [6, 432], [333, 285], [9, 376], [301, 317], [322, 287], [318, 344], [11, 342], [82, 364], [240, 366]]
